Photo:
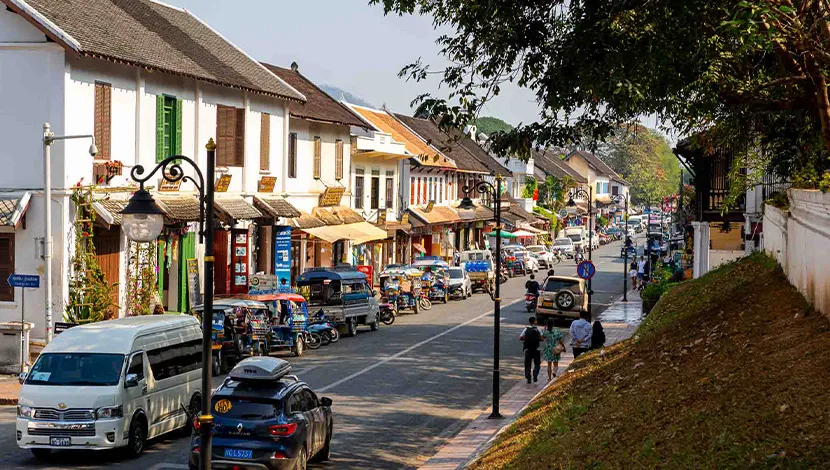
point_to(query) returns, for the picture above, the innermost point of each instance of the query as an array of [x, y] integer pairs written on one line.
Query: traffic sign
[[563, 214], [24, 280], [586, 269]]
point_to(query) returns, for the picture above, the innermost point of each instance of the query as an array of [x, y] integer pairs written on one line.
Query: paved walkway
[[620, 321], [9, 389]]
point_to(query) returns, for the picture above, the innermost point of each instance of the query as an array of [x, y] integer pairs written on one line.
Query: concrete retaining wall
[[800, 240]]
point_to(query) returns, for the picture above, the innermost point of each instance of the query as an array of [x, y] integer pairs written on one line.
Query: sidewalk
[[620, 321]]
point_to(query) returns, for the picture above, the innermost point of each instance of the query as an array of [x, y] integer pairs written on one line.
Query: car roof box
[[260, 368]]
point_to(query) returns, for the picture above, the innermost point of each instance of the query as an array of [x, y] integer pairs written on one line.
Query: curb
[[8, 401]]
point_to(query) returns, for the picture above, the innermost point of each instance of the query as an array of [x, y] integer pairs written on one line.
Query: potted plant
[[650, 295]]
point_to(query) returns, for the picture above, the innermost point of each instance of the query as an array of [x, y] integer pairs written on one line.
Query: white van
[[111, 384]]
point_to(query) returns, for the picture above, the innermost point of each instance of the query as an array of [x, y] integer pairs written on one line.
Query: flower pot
[[648, 305]]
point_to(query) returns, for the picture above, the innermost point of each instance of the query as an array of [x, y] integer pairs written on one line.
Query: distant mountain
[[343, 95], [490, 125]]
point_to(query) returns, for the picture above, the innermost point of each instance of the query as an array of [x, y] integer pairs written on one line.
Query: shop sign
[[331, 196], [436, 238], [263, 282], [282, 254], [194, 293], [169, 186], [366, 269], [429, 207], [382, 217], [480, 224], [405, 218], [266, 184], [222, 184]]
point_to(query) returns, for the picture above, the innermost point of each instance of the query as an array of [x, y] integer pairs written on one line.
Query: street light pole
[[142, 222], [617, 199], [590, 195]]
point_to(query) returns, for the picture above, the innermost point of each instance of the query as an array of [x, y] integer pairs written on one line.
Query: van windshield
[[576, 237], [322, 292], [76, 369]]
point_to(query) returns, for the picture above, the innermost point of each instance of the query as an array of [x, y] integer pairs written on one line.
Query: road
[[399, 393]]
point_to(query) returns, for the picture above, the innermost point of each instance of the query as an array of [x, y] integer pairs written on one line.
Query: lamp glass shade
[[571, 202], [142, 228], [466, 209]]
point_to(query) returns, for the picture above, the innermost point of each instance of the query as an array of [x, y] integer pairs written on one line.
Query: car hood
[[60, 397]]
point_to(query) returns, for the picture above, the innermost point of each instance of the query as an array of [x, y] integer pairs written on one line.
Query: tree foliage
[[753, 74], [490, 125]]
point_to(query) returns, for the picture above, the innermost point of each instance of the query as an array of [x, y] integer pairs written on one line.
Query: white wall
[[798, 239], [304, 191], [383, 166]]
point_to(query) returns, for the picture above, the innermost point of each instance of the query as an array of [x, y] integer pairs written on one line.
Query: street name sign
[[24, 280]]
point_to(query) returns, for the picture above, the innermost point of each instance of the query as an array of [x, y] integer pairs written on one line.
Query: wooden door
[[221, 269], [108, 251]]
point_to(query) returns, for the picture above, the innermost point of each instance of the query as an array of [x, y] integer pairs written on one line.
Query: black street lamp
[[618, 199], [580, 192], [466, 210], [142, 221]]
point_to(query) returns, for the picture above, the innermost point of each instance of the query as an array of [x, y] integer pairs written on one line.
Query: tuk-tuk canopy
[[330, 274], [430, 261], [406, 271]]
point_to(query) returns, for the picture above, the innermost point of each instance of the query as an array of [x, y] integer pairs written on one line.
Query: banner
[[282, 255], [193, 290]]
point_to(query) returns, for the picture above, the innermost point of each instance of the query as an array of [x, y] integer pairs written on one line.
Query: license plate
[[547, 304], [239, 453], [60, 441]]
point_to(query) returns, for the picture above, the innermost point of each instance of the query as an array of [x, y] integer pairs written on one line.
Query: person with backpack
[[532, 338]]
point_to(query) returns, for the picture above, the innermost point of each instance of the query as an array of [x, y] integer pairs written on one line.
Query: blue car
[[267, 419]]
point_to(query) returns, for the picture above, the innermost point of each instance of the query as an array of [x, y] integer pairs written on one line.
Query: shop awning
[[305, 221], [236, 208], [357, 233], [337, 215], [523, 234], [439, 214], [604, 199], [275, 207], [13, 208], [503, 234], [329, 233], [179, 207], [109, 209], [370, 233], [419, 248]]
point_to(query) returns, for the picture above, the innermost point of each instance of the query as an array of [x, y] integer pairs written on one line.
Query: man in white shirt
[[641, 270], [581, 332]]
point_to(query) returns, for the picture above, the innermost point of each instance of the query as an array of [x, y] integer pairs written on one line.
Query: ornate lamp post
[[580, 192], [466, 210], [623, 198], [142, 221]]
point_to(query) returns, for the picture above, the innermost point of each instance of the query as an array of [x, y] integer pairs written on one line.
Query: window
[[441, 190], [230, 136], [412, 190], [338, 159], [168, 127], [375, 189], [359, 182], [176, 359], [424, 192], [103, 120], [136, 366], [318, 157], [292, 155], [615, 190], [390, 189], [265, 142], [311, 400], [599, 187], [418, 192], [6, 266]]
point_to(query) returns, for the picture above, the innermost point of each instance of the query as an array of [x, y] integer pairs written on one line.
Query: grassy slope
[[729, 371]]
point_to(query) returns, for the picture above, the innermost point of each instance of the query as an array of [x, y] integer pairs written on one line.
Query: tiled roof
[[149, 34], [275, 206], [179, 207], [12, 209], [429, 131], [305, 220], [597, 164], [550, 163], [237, 208], [337, 215], [319, 105], [438, 215], [110, 208], [479, 153], [427, 155]]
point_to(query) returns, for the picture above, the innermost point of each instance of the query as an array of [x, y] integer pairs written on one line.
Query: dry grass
[[727, 372]]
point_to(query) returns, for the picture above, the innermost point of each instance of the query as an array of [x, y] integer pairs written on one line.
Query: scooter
[[327, 331], [387, 313], [530, 302], [457, 292], [504, 275]]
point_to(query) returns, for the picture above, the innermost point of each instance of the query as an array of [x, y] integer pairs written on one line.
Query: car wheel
[[374, 325], [41, 454], [137, 437], [352, 326]]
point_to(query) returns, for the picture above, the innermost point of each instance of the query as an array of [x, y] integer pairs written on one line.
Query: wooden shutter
[[225, 142], [160, 128], [338, 159], [103, 120], [292, 155], [6, 266], [178, 113], [239, 138], [318, 157], [265, 142]]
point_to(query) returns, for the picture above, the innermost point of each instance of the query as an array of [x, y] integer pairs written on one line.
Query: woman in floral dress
[[552, 338]]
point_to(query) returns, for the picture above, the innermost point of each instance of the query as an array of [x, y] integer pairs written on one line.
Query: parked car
[[111, 384], [344, 295], [565, 245], [265, 418], [562, 297], [542, 254], [458, 275]]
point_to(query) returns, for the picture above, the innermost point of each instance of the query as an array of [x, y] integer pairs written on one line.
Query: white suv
[[542, 254]]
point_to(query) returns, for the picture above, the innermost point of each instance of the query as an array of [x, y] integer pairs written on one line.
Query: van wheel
[[195, 409], [137, 437], [298, 347], [352, 326], [374, 325], [216, 365], [41, 454]]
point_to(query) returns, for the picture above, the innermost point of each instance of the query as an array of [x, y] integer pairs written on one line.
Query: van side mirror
[[131, 381], [325, 401], [22, 377]]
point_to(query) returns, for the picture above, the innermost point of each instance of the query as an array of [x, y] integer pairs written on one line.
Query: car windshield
[[248, 409], [576, 238], [554, 285], [562, 242], [76, 369], [456, 273]]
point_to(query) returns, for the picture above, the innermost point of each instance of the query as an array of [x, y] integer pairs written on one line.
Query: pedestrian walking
[[597, 336], [552, 348], [581, 331], [532, 338], [632, 273], [641, 270]]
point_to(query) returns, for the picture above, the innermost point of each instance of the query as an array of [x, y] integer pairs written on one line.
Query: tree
[[490, 125], [753, 74]]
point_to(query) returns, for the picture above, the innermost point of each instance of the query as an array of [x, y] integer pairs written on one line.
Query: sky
[[347, 44]]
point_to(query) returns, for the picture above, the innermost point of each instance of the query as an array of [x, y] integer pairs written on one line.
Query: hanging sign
[[331, 196], [405, 218], [282, 255], [222, 184], [194, 293], [169, 186], [382, 217], [429, 207], [266, 184]]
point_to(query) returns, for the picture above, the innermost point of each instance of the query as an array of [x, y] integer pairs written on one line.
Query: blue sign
[[24, 280], [282, 256], [586, 269]]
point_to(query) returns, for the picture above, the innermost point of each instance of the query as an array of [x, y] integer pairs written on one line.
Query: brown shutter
[[292, 155], [6, 266], [338, 160], [225, 131], [318, 157], [103, 120], [239, 134], [265, 142]]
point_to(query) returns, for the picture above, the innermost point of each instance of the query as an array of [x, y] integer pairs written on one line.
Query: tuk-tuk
[[287, 333], [401, 287], [434, 279], [239, 330], [344, 295]]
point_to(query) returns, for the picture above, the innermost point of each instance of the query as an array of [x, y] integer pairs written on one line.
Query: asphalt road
[[399, 393]]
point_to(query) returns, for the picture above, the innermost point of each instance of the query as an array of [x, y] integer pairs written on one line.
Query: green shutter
[[178, 112], [160, 271], [160, 128], [187, 245]]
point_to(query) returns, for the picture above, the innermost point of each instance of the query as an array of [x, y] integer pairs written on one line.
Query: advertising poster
[[282, 256]]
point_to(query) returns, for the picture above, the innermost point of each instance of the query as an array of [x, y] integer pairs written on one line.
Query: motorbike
[[327, 331], [504, 275], [387, 313], [457, 292], [530, 302], [579, 257]]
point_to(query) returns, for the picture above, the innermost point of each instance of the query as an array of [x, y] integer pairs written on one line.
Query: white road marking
[[409, 349], [304, 371], [164, 466]]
